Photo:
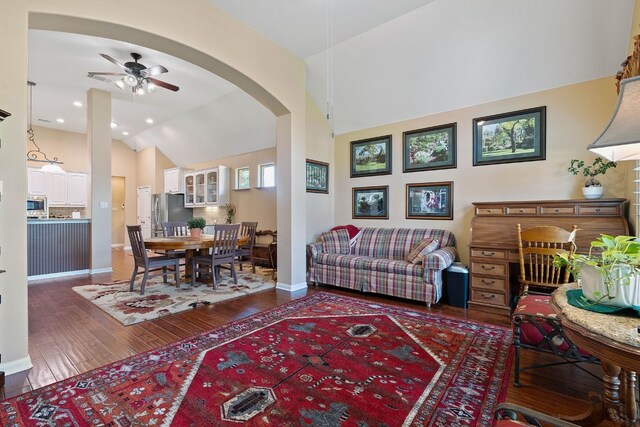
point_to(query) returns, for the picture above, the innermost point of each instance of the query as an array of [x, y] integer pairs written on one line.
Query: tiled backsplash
[[55, 212], [213, 215]]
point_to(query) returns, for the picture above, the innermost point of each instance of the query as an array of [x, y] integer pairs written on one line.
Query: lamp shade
[[620, 140]]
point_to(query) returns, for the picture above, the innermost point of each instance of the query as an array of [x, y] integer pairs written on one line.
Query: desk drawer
[[489, 283], [489, 254], [489, 297], [599, 210], [489, 269], [489, 211], [558, 210], [531, 210]]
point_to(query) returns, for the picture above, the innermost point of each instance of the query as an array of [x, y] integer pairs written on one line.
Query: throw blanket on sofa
[[377, 263]]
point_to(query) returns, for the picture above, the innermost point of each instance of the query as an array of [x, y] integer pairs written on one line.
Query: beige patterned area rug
[[162, 299]]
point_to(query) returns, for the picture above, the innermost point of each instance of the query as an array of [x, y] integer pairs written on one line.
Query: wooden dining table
[[191, 245]]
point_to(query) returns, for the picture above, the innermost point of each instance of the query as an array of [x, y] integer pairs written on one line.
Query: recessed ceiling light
[[77, 103], [60, 120], [150, 121], [114, 125], [125, 133]]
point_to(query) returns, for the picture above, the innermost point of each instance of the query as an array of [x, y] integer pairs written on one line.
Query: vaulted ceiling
[[387, 61]]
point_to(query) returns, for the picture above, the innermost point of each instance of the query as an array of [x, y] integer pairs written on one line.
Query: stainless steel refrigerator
[[167, 207]]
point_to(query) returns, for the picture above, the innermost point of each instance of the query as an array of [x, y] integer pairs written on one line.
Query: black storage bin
[[457, 285]]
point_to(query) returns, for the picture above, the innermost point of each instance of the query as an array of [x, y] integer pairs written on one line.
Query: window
[[267, 174], [242, 178]]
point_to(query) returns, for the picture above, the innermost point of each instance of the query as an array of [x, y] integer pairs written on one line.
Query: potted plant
[[231, 211], [592, 188], [196, 225], [610, 273]]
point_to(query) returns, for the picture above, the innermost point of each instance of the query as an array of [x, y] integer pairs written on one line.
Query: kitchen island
[[58, 247]]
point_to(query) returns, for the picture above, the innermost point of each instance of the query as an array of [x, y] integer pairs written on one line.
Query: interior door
[[144, 210]]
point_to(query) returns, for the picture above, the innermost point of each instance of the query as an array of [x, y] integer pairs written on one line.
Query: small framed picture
[[371, 202], [429, 148], [371, 156], [430, 200], [518, 136], [317, 177]]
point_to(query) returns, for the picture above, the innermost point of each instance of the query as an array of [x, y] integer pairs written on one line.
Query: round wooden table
[[191, 246], [615, 340]]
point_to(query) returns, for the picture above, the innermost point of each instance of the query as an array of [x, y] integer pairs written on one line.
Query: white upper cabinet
[[57, 189], [207, 187], [174, 180], [77, 189], [36, 182]]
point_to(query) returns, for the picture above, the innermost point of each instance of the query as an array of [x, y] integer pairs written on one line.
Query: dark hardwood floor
[[68, 335]]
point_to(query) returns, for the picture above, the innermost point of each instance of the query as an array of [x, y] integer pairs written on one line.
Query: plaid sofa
[[376, 263]]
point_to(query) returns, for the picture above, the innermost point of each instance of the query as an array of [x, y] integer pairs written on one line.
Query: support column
[[99, 144], [291, 203]]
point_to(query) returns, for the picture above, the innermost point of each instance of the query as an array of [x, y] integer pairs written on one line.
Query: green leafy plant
[[197, 222], [599, 167], [616, 258], [231, 211]]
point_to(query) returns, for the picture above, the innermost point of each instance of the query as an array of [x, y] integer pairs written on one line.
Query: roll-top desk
[[494, 241]]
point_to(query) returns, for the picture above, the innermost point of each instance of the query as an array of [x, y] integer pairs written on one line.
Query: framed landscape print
[[317, 177], [430, 200], [518, 136], [430, 148], [371, 156], [371, 202]]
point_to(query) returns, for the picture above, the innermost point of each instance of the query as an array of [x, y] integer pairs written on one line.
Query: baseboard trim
[[101, 270], [57, 275], [16, 366], [291, 288], [117, 245]]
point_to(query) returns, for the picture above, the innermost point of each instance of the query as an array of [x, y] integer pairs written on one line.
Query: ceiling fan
[[136, 76]]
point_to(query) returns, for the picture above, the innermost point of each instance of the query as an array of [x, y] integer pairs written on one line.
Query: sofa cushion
[[425, 246], [390, 266], [396, 243], [339, 260], [336, 242]]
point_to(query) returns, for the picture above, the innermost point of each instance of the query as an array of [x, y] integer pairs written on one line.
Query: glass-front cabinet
[[207, 187]]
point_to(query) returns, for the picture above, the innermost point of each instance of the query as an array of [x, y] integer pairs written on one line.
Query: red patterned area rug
[[323, 360]]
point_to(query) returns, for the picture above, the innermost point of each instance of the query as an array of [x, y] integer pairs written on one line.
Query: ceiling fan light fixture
[[130, 80], [140, 89], [151, 87]]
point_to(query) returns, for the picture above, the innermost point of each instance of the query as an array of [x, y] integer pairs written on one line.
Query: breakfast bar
[[58, 247]]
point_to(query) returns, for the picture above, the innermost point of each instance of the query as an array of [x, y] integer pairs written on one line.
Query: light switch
[[104, 205]]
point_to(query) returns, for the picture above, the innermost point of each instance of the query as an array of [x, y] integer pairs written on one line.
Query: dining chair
[[175, 228], [247, 229], [225, 240], [149, 264], [534, 321]]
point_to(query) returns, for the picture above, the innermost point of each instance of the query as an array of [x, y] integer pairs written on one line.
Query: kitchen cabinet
[[174, 181], [57, 189], [36, 182], [207, 187], [77, 189]]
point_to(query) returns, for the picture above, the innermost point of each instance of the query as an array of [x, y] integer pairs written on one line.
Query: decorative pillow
[[353, 231], [423, 247], [336, 242]]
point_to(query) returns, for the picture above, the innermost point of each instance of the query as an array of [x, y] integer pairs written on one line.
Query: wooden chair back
[[248, 229], [137, 244], [537, 247], [225, 238], [175, 228]]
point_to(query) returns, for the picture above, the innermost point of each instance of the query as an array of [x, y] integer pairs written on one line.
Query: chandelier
[[37, 155]]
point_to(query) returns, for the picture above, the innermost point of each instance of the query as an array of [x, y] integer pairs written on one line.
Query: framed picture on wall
[[370, 202], [429, 148], [371, 156], [430, 200], [518, 136], [317, 177]]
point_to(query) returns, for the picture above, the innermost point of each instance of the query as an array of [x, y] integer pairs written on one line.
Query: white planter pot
[[592, 192], [624, 295]]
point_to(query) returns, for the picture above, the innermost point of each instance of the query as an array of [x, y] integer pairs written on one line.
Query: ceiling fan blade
[[94, 73], [99, 77], [153, 71], [110, 59], [163, 84]]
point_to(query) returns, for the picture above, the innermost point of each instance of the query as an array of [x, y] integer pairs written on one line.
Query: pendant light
[[37, 155]]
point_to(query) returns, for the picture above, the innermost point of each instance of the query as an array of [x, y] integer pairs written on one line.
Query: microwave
[[37, 207]]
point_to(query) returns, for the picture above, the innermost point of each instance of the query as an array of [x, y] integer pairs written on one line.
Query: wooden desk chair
[[148, 264], [266, 254], [534, 321], [225, 240], [246, 251], [511, 415]]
